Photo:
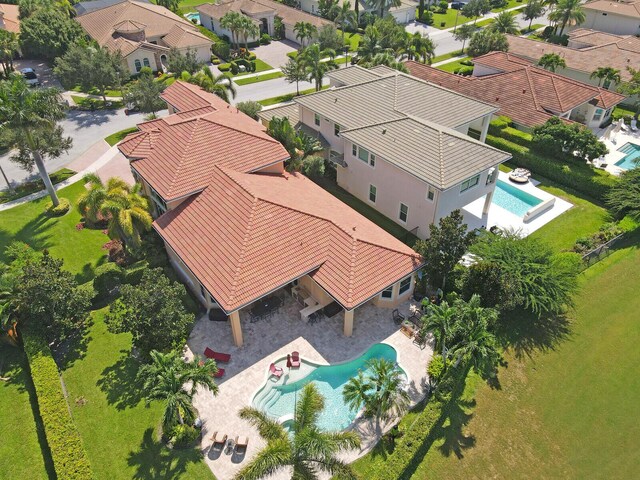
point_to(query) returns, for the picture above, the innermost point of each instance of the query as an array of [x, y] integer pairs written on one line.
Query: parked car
[[30, 76], [457, 5]]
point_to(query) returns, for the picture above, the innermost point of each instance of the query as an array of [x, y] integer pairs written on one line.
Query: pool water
[[632, 158], [193, 16], [279, 400], [514, 199]]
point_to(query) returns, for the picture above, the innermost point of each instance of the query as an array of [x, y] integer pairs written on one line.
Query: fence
[[597, 254]]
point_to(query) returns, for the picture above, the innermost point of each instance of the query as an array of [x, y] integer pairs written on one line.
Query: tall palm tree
[[233, 22], [356, 391], [165, 378], [128, 214], [477, 346], [505, 22], [369, 43], [29, 122], [532, 10], [248, 29], [463, 33], [551, 62], [308, 450], [219, 85], [304, 31], [567, 12], [383, 6], [416, 45], [440, 321], [90, 202], [316, 68], [607, 74], [345, 17], [387, 59]]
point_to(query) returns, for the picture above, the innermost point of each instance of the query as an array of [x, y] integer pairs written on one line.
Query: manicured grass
[[510, 4], [449, 19], [564, 409], [116, 137], [446, 56], [353, 39], [119, 432], [95, 103], [287, 97], [188, 5], [534, 27], [21, 455], [28, 188], [94, 91], [260, 67], [451, 66], [81, 249], [620, 112], [485, 22], [258, 78]]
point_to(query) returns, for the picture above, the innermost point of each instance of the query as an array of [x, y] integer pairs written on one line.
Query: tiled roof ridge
[[352, 270], [140, 135], [532, 89], [245, 241], [441, 157], [181, 159], [266, 138]]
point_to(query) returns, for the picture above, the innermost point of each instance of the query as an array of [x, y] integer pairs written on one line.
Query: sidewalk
[[273, 70]]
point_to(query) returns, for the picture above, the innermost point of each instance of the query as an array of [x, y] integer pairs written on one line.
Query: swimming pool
[[632, 157], [279, 400], [193, 16], [514, 199]]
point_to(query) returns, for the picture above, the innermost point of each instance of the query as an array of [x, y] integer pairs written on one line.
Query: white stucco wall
[[326, 128], [140, 54], [611, 23], [453, 199]]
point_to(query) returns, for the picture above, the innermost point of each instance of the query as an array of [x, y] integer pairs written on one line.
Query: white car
[[30, 76]]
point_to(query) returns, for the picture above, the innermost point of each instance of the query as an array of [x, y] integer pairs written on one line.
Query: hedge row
[[512, 134], [69, 456], [580, 177]]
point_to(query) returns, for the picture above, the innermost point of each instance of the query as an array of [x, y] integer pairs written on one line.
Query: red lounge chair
[[218, 357], [220, 373], [275, 371], [295, 360]]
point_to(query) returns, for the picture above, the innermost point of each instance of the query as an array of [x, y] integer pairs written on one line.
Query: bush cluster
[[250, 66], [221, 50], [67, 451], [108, 277], [184, 435], [58, 211], [512, 134], [265, 39], [607, 232]]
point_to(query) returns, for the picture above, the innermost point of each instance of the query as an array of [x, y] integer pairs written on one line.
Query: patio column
[[487, 203], [485, 128], [348, 323], [236, 329]]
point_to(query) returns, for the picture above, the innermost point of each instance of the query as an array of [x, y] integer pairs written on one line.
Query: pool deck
[[613, 144], [504, 219], [266, 342]]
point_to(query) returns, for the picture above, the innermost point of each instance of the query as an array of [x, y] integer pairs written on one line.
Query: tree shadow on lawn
[[74, 348], [154, 460], [88, 270], [33, 233], [119, 384]]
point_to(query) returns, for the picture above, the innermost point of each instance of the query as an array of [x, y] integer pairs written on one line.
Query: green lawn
[[188, 5], [95, 103], [353, 39], [21, 455], [94, 91], [449, 19], [116, 137], [260, 67], [287, 97], [28, 188], [258, 78], [446, 56], [119, 432], [620, 112], [485, 22], [451, 66]]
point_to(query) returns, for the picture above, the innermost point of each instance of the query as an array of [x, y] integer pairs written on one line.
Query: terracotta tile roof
[[127, 47], [10, 17], [626, 8], [247, 235], [527, 94], [289, 15], [176, 154], [185, 96], [618, 54], [180, 37]]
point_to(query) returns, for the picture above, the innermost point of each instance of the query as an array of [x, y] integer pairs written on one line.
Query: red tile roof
[[247, 235], [529, 95], [176, 154]]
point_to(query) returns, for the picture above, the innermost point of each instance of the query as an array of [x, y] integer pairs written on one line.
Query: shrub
[[146, 71], [210, 35], [468, 63], [116, 251], [443, 6], [557, 139], [224, 67], [184, 435], [108, 277], [61, 209], [250, 108], [133, 274], [67, 451], [234, 68], [443, 24], [514, 135], [501, 122], [221, 50], [251, 56], [427, 17], [607, 232], [498, 3], [265, 39], [464, 71], [435, 370]]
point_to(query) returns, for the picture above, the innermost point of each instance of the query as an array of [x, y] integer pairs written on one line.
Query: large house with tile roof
[[412, 150], [238, 228], [527, 94], [404, 12], [143, 33], [621, 17]]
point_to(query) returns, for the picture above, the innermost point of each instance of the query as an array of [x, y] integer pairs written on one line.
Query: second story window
[[372, 160], [336, 129], [161, 205], [373, 193], [431, 193], [354, 150], [146, 63], [469, 183], [316, 119], [404, 213]]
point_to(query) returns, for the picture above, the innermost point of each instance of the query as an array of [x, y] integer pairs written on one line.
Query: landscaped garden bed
[[27, 188]]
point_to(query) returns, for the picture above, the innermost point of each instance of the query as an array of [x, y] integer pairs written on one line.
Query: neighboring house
[[262, 12], [527, 94], [587, 51], [91, 5], [237, 227], [9, 18], [621, 17], [143, 32], [403, 13], [400, 144]]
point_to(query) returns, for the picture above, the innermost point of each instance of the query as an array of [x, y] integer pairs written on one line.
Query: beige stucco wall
[[141, 54], [276, 168], [315, 290], [203, 52], [326, 128], [213, 24], [611, 23], [396, 299], [188, 278]]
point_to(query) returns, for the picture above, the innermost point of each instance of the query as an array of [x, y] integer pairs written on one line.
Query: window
[[388, 293], [336, 129], [469, 183], [404, 213], [354, 150], [138, 65], [146, 63], [161, 205], [373, 192], [372, 160], [598, 114], [431, 193], [316, 119], [405, 285], [363, 155], [491, 176]]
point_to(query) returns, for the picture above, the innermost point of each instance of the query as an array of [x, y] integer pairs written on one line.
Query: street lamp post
[[346, 55], [456, 24]]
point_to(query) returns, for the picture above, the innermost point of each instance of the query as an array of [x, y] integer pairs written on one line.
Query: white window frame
[[316, 119], [372, 160], [354, 150], [406, 214], [138, 64], [146, 63], [469, 183], [598, 114], [366, 159], [336, 129], [375, 193], [431, 193], [387, 294], [407, 287]]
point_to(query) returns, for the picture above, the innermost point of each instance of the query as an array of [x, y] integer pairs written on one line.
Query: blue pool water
[[632, 158], [193, 16], [513, 199], [279, 400]]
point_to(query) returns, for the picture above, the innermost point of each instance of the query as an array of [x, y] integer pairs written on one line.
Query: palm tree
[[316, 68], [219, 85], [567, 12], [387, 59], [128, 215], [477, 347], [90, 202], [345, 17], [165, 378], [308, 450], [304, 32], [608, 74], [551, 62], [419, 46], [29, 122], [232, 21], [369, 43], [382, 6], [505, 22], [9, 46], [463, 33], [248, 28], [440, 321], [356, 391], [532, 10], [294, 71]]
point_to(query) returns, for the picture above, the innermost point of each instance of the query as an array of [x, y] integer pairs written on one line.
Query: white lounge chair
[[623, 126], [634, 124]]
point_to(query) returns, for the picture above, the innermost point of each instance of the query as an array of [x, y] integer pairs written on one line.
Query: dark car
[[457, 5]]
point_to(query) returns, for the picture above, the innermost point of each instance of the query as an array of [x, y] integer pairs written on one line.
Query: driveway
[[42, 69], [275, 54]]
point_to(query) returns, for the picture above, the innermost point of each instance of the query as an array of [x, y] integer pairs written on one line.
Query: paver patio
[[269, 341]]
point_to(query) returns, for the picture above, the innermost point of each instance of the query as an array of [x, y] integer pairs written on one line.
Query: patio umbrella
[[289, 360]]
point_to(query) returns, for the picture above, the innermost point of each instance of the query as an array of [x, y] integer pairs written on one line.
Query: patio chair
[[217, 356], [219, 373], [275, 371], [218, 439], [295, 360], [420, 339], [398, 318], [241, 444]]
